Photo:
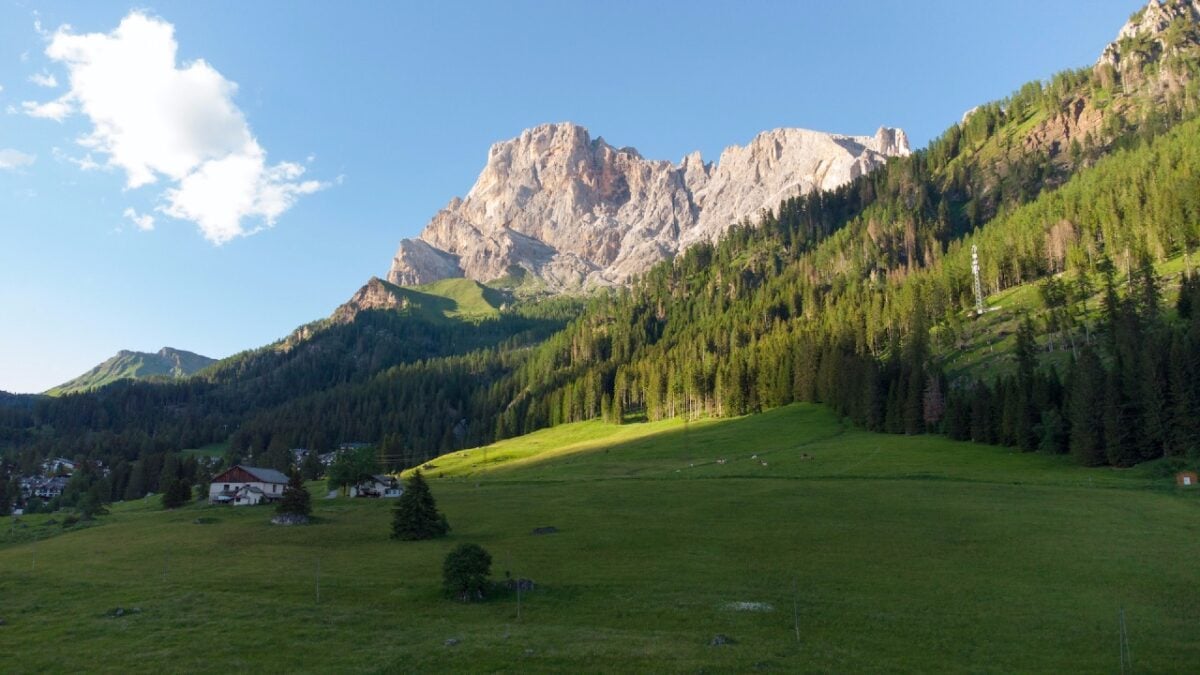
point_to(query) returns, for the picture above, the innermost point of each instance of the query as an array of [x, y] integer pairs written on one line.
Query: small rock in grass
[[290, 519], [720, 639], [452, 642], [549, 529]]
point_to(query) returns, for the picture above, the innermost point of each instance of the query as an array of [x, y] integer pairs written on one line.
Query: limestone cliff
[[575, 212]]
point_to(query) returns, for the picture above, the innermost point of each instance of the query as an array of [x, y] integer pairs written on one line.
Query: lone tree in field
[[296, 501], [416, 515], [465, 572]]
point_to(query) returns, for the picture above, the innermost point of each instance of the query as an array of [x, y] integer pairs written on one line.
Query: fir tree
[[416, 516], [296, 500], [176, 493], [1086, 407]]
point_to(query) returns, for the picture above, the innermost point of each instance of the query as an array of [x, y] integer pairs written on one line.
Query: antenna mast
[[978, 285]]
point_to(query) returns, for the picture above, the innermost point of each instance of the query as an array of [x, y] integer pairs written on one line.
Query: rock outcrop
[[576, 212], [1157, 31]]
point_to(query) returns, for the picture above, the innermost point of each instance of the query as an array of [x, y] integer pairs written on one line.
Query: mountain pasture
[[807, 544]]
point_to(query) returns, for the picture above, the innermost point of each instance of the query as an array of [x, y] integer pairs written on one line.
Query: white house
[[53, 466], [377, 486], [246, 486]]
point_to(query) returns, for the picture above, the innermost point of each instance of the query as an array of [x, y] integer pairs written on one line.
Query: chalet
[[1186, 479], [246, 486], [377, 486], [50, 488], [57, 465]]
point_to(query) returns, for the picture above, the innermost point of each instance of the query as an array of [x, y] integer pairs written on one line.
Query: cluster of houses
[[250, 485], [51, 482]]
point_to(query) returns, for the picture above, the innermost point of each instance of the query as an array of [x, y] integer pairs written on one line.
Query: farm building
[[246, 486], [378, 486], [1186, 479]]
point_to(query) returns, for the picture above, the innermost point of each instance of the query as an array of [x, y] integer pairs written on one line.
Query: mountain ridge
[[576, 212], [167, 362]]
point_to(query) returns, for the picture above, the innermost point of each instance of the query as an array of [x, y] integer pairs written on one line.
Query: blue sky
[[357, 121]]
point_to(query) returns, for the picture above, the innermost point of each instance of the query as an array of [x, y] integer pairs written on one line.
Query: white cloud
[[144, 221], [15, 159], [155, 119], [51, 110], [44, 80]]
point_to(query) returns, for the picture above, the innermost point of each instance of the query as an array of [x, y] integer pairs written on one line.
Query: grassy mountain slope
[[886, 556], [165, 364]]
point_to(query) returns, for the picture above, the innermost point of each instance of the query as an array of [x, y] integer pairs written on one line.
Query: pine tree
[[296, 500], [1025, 405], [5, 500], [1085, 408], [416, 516], [176, 493], [136, 488]]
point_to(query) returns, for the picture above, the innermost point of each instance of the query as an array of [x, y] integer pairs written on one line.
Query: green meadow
[[808, 544]]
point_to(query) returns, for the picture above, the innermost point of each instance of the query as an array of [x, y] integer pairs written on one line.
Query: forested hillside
[[854, 298]]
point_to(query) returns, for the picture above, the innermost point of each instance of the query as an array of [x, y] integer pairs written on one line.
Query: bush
[[465, 572], [69, 521]]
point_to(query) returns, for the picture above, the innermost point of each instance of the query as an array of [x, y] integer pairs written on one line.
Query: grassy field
[[883, 553], [210, 450]]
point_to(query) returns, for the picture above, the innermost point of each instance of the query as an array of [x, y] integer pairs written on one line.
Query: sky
[[209, 176]]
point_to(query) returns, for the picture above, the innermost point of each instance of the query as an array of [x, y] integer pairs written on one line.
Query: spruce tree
[[176, 493], [296, 500], [1085, 409], [416, 516], [5, 500]]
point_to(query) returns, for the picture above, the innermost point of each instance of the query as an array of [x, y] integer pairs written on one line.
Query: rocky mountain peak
[[1160, 28], [574, 211]]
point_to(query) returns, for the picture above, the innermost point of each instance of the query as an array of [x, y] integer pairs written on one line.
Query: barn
[[246, 486]]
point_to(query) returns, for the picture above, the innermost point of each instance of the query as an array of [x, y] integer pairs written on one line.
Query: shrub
[[465, 572]]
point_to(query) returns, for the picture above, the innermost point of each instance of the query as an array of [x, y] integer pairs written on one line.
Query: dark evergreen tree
[[296, 499], [416, 516], [177, 493], [1087, 405]]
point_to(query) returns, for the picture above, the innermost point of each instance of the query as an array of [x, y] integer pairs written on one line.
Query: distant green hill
[[126, 365]]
